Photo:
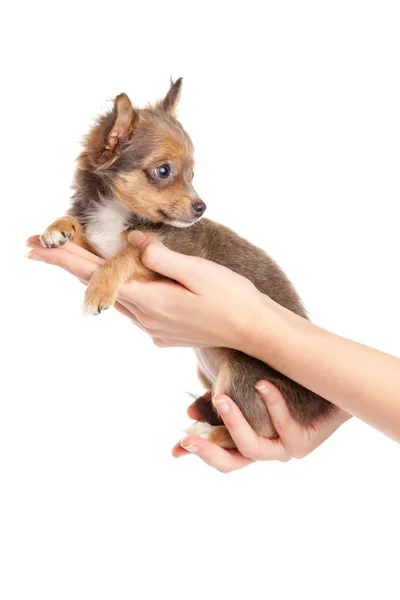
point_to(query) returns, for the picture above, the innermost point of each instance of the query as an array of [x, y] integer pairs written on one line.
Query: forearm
[[214, 306], [361, 380]]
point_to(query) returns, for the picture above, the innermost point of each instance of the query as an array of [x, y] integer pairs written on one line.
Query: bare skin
[[212, 306]]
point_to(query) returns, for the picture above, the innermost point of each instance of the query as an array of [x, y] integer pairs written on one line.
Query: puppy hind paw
[[218, 434], [201, 429]]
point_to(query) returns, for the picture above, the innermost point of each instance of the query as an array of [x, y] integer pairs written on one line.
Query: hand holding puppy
[[210, 305], [217, 306]]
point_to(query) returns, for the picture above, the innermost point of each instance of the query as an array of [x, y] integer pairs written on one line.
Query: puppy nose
[[199, 207]]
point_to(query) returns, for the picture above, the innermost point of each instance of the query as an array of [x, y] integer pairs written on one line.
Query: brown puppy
[[135, 172]]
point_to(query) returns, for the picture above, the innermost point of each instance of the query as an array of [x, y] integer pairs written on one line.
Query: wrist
[[271, 332], [256, 329]]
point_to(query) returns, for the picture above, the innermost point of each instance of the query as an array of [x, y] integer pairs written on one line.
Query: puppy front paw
[[101, 293], [58, 233]]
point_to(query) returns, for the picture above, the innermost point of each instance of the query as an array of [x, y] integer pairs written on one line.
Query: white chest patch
[[105, 228]]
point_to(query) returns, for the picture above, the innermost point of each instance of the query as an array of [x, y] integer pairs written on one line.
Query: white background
[[293, 108]]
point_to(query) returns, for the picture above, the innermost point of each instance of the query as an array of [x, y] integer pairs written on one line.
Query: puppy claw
[[99, 296], [90, 308], [58, 233]]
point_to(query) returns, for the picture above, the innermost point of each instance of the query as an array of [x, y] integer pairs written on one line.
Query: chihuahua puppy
[[136, 173]]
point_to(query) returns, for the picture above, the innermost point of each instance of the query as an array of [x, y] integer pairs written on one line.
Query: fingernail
[[222, 406], [136, 238], [189, 447], [261, 387], [32, 256]]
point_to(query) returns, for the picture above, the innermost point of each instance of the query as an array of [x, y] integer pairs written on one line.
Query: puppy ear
[[121, 124], [170, 103], [105, 141]]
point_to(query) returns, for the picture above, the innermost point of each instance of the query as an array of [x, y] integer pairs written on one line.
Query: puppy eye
[[192, 174], [163, 171]]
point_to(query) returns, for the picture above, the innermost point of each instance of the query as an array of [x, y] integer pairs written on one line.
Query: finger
[[136, 310], [154, 298], [135, 315], [247, 441], [194, 413], [80, 267], [290, 432], [127, 311], [139, 318], [124, 311], [34, 242], [79, 251], [138, 238], [224, 461], [190, 271], [177, 451]]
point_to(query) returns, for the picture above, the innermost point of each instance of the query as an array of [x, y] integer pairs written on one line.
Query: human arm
[[214, 306], [358, 379]]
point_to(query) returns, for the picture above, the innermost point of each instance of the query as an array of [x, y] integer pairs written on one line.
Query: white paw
[[100, 293], [53, 238], [201, 429], [91, 309]]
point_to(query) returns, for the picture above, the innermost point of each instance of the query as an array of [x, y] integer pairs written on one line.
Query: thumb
[[157, 257], [289, 431]]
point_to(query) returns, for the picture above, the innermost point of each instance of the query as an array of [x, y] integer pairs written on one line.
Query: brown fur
[[119, 166], [103, 289], [221, 436]]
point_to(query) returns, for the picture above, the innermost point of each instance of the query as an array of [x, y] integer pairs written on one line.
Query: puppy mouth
[[175, 220]]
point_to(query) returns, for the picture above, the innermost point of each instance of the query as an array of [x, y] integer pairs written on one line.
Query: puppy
[[136, 173]]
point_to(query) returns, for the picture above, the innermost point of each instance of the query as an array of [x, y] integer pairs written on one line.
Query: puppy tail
[[206, 410]]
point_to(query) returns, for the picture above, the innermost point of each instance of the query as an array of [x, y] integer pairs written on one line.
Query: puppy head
[[147, 159]]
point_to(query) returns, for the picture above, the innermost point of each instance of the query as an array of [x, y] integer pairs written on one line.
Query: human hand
[[294, 441], [209, 306], [174, 315]]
